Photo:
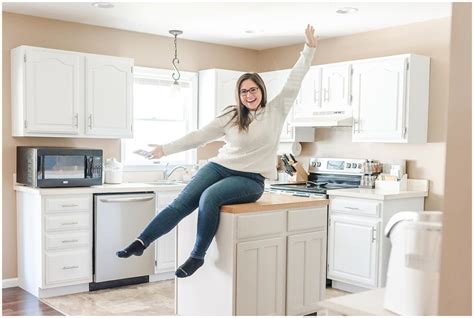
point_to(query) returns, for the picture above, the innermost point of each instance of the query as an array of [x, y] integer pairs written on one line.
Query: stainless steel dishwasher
[[118, 220]]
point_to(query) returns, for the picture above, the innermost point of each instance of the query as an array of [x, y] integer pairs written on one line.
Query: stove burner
[[312, 184]]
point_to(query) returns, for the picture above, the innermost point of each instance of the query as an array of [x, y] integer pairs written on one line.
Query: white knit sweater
[[254, 150]]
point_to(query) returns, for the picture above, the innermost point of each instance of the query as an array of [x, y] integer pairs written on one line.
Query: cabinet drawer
[[67, 221], [67, 240], [355, 206], [68, 203], [263, 224], [63, 267], [307, 219]]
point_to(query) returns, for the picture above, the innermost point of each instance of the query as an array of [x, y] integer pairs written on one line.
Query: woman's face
[[250, 94]]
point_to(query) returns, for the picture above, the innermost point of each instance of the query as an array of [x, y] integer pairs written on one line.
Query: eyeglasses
[[252, 90]]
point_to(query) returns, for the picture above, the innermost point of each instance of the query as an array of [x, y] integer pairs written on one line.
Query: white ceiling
[[225, 22]]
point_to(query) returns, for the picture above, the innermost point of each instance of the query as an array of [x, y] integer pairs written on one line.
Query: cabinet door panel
[[68, 268], [53, 91], [309, 98], [274, 82], [109, 85], [353, 250], [261, 277], [306, 273], [226, 81], [336, 81], [379, 99]]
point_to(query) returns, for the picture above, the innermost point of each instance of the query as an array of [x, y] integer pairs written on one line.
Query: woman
[[236, 175]]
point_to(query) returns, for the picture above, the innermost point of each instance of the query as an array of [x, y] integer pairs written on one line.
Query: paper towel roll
[[289, 147]]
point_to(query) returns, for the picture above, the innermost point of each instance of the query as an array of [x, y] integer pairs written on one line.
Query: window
[[157, 119]]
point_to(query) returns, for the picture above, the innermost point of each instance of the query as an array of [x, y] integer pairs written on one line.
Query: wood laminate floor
[[17, 302]]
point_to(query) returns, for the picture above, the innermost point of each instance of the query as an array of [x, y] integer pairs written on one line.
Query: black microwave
[[52, 167]]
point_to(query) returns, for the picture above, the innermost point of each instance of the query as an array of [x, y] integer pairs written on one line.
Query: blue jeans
[[211, 187]]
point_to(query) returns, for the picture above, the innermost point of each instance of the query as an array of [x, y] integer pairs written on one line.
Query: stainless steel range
[[326, 174]]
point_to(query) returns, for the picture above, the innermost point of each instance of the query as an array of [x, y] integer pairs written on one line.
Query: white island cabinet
[[268, 258]]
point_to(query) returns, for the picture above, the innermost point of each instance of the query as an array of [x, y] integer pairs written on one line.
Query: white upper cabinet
[[53, 85], [309, 98], [50, 88], [390, 99], [274, 82], [109, 96], [216, 91], [336, 85]]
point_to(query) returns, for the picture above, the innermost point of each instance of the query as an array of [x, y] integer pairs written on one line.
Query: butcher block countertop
[[273, 201]]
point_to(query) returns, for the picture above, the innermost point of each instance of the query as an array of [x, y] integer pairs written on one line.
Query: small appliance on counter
[[413, 269], [113, 171], [51, 167]]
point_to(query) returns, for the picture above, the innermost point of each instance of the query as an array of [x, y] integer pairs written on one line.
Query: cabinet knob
[[76, 120], [90, 120]]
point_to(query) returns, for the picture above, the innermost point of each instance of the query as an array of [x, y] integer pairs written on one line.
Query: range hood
[[324, 119]]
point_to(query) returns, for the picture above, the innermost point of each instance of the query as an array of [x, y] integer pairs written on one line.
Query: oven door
[[61, 170]]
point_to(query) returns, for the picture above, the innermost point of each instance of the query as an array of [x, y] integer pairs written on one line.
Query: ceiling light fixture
[[175, 33], [347, 10], [102, 5], [175, 96]]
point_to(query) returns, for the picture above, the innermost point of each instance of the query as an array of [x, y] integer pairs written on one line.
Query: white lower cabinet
[[54, 242], [68, 266], [165, 245], [261, 263], [261, 277], [354, 251], [358, 251]]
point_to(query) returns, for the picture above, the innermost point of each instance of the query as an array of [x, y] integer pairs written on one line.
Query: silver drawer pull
[[137, 199], [70, 223], [351, 208], [70, 267], [69, 205], [70, 241]]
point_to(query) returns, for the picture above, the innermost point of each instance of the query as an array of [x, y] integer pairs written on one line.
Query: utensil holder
[[300, 175]]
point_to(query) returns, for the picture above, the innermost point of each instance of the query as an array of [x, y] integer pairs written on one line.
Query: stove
[[325, 174]]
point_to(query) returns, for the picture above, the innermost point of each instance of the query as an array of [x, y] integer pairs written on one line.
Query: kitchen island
[[268, 258]]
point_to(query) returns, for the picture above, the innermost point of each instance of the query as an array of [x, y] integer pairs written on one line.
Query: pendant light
[[175, 90]]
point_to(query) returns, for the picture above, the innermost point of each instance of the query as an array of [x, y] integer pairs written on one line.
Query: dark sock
[[189, 267], [136, 248]]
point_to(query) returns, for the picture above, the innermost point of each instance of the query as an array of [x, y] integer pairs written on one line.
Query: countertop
[[274, 201], [105, 188], [368, 303], [268, 201], [415, 189]]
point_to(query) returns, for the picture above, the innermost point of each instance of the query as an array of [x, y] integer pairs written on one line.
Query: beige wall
[[431, 38], [147, 50], [456, 259]]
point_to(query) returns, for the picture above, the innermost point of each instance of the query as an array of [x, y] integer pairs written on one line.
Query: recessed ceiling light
[[347, 10], [252, 31], [103, 5]]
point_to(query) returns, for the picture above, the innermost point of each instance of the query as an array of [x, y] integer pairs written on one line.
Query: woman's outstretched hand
[[157, 152], [311, 39]]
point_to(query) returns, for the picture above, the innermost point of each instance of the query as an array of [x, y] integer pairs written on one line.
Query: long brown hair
[[241, 116]]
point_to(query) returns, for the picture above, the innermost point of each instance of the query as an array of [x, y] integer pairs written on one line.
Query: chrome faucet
[[168, 174]]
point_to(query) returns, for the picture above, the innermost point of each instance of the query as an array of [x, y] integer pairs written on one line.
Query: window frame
[[155, 73]]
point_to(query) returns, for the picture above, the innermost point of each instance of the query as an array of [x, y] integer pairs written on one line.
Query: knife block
[[300, 175]]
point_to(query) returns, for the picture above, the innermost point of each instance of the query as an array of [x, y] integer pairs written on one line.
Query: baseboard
[[10, 282], [161, 276]]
